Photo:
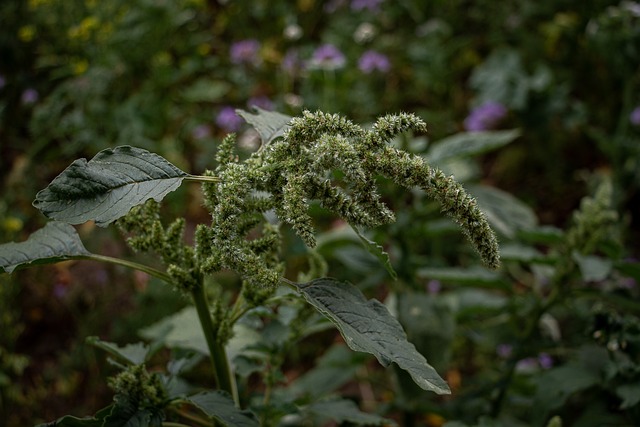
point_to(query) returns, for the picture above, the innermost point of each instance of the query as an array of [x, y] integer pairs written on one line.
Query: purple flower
[[228, 120], [328, 57], [371, 61], [434, 286], [634, 117], [545, 361], [260, 102], [333, 5], [372, 5], [201, 132], [504, 350], [291, 62], [3, 81], [245, 52], [485, 116], [29, 96]]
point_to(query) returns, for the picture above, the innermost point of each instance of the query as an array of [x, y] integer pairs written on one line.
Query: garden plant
[[294, 167], [218, 262]]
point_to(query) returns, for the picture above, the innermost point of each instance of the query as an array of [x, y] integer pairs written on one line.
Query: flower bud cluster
[[300, 168], [146, 233], [140, 387], [239, 238], [593, 222]]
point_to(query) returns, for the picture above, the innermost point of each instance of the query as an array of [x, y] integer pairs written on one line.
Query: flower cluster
[[289, 173], [140, 387], [146, 233]]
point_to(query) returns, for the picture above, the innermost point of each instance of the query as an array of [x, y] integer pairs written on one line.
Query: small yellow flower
[[34, 4], [27, 33], [84, 29], [203, 49], [79, 67], [12, 224], [161, 59]]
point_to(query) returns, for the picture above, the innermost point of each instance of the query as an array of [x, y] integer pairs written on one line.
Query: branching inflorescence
[[289, 173]]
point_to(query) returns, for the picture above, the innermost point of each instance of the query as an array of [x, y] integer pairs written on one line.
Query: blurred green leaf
[[220, 406], [593, 268], [558, 384], [629, 393], [543, 234], [369, 327], [135, 354], [346, 411], [522, 253], [474, 276], [331, 371], [269, 124], [469, 144], [108, 186], [206, 90], [504, 212], [180, 330], [56, 241]]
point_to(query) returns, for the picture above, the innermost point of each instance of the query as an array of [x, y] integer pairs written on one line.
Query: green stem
[[130, 264], [221, 367], [201, 178]]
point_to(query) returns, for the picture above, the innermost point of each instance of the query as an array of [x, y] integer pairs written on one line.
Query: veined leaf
[[470, 144], [219, 405], [55, 242], [269, 124], [108, 186], [369, 327]]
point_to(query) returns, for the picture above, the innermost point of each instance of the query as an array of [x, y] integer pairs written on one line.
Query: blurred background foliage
[[78, 76]]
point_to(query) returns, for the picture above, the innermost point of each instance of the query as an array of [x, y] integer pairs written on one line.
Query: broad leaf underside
[[54, 242], [108, 186], [369, 327]]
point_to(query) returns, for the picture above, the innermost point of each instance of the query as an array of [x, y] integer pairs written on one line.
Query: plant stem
[[130, 264], [201, 178], [221, 367]]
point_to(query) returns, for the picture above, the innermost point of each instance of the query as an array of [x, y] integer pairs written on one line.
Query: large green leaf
[[219, 405], [369, 327], [269, 124], [55, 242], [470, 144], [108, 186]]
